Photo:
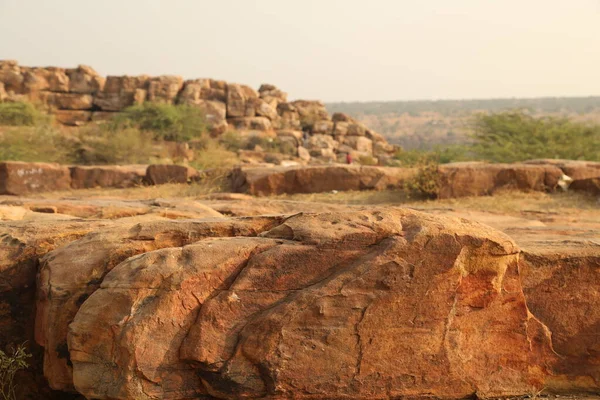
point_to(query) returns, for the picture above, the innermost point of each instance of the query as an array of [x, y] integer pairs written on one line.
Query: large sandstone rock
[[121, 92], [120, 176], [310, 112], [589, 185], [358, 143], [69, 101], [479, 179], [289, 116], [11, 77], [84, 79], [18, 178], [585, 174], [251, 123], [72, 117], [39, 79], [65, 281], [241, 101], [314, 179], [378, 304], [164, 88], [560, 280], [158, 174]]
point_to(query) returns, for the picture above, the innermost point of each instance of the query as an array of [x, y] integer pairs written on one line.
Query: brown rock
[[560, 281], [84, 79], [3, 94], [324, 127], [70, 101], [325, 306], [340, 128], [11, 77], [18, 178], [190, 93], [356, 130], [72, 117], [479, 179], [358, 143], [38, 79], [240, 101], [120, 176], [103, 116], [589, 185], [315, 179], [264, 109], [310, 112], [341, 117], [158, 174], [316, 143], [121, 92], [61, 291], [250, 123], [164, 88], [289, 116]]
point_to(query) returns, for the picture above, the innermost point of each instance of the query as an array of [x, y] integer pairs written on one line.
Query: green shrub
[[35, 144], [515, 136], [97, 144], [232, 141], [10, 364], [426, 183], [21, 114], [178, 123], [440, 155], [214, 155], [367, 160]]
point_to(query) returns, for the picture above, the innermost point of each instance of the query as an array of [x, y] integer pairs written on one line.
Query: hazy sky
[[333, 50]]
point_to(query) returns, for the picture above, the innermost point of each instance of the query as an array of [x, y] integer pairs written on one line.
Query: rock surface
[[320, 306], [315, 179], [19, 178]]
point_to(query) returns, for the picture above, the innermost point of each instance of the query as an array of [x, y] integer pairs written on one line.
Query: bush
[[21, 114], [178, 123], [426, 183], [367, 160], [97, 144], [10, 364], [35, 144], [232, 141], [516, 136], [214, 155]]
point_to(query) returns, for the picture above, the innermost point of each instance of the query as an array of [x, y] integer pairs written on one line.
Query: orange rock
[[120, 176], [18, 178]]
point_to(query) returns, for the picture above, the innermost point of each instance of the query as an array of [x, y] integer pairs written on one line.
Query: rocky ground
[[172, 292]]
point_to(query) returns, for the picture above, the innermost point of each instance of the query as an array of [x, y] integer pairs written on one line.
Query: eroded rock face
[[18, 178], [69, 275], [315, 179], [370, 304], [478, 179], [119, 176]]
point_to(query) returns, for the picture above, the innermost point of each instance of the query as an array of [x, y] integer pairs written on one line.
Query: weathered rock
[[72, 117], [70, 101], [158, 174], [121, 92], [325, 306], [560, 280], [324, 127], [240, 101], [589, 185], [315, 179], [585, 174], [119, 176], [3, 94], [341, 117], [65, 282], [358, 143], [340, 128], [479, 179], [289, 133], [18, 178], [10, 75], [164, 88], [272, 95], [289, 116], [250, 123], [214, 111], [356, 130], [38, 79], [103, 116], [264, 109], [310, 112], [84, 79], [303, 154], [317, 143]]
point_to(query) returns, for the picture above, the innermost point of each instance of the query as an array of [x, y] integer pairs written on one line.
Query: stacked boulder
[[80, 95]]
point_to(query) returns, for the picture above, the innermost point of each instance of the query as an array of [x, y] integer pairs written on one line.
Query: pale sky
[[332, 50]]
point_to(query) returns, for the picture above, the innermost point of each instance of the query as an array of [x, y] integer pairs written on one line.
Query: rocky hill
[[77, 96]]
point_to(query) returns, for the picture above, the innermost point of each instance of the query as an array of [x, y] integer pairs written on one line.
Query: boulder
[[250, 123], [119, 101], [39, 79], [366, 304], [190, 93], [84, 79], [289, 133], [310, 112], [315, 179], [64, 281], [317, 143], [3, 94], [19, 178], [72, 117], [119, 176], [158, 174], [241, 101], [341, 117], [214, 111], [264, 109], [289, 116], [164, 89], [589, 185], [11, 77], [356, 130], [480, 179], [560, 281], [358, 143], [323, 127], [69, 101], [340, 128]]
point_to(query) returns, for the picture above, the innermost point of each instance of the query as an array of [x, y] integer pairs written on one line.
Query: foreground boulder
[[315, 179], [158, 174], [366, 304], [19, 178], [479, 179]]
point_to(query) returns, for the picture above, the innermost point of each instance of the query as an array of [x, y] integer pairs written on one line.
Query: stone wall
[[77, 96]]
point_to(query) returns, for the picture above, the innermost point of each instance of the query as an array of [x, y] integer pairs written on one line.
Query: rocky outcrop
[[118, 176], [372, 304], [479, 179], [314, 179], [19, 178], [79, 96], [585, 175]]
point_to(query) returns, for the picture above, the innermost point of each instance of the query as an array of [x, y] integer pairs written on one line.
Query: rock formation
[[80, 95]]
